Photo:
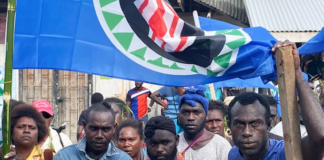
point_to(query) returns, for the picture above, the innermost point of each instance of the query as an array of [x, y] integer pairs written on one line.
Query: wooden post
[[212, 91], [288, 102]]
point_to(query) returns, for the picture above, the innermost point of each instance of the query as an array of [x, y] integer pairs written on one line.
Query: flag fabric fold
[[143, 40], [314, 45]]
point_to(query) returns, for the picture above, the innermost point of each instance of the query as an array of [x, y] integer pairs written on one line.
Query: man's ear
[[177, 140]]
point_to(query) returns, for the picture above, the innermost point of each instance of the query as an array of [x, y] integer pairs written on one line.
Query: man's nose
[[191, 117], [247, 132], [99, 134], [159, 149]]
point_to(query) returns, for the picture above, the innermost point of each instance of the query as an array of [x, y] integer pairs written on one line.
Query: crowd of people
[[191, 127]]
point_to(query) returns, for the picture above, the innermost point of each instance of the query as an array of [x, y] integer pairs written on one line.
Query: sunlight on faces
[[192, 119], [25, 132], [249, 128], [215, 122], [129, 141], [162, 145], [99, 130]]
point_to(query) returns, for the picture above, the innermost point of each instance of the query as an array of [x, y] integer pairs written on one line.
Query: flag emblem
[[155, 37]]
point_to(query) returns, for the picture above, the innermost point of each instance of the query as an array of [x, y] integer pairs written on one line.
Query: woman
[[27, 130], [215, 120], [130, 138]]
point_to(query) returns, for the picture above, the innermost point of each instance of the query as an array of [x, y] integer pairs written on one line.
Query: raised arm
[[313, 117], [155, 97]]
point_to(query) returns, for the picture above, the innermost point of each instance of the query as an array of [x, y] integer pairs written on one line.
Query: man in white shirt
[[195, 142], [54, 140]]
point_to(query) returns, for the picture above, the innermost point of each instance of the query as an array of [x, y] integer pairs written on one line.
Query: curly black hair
[[270, 100], [247, 98], [25, 110], [136, 124], [213, 104], [96, 98]]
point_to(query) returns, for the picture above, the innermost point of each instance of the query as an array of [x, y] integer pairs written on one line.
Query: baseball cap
[[43, 106]]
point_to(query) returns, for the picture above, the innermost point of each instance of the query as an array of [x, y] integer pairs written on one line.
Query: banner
[[141, 40]]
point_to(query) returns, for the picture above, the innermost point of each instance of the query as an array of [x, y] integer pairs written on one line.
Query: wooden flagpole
[[11, 10], [288, 102]]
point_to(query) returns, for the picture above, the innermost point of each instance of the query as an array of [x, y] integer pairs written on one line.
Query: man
[[195, 141], [137, 100], [171, 109], [215, 120], [99, 126], [95, 98], [161, 139], [53, 140], [273, 110], [249, 116]]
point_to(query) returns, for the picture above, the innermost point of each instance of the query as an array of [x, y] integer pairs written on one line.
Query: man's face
[[215, 122], [25, 132], [130, 141], [249, 129], [99, 130], [192, 119], [48, 118], [138, 84], [162, 145], [273, 116], [118, 116]]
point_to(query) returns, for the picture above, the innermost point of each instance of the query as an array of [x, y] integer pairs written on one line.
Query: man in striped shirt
[[137, 100]]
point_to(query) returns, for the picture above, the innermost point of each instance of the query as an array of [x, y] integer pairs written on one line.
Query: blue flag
[[135, 40], [314, 45]]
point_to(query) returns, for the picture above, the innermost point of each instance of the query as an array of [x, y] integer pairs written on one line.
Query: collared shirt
[[77, 151], [138, 99]]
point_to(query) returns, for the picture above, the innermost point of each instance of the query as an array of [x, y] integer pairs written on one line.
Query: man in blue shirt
[[172, 95], [249, 118], [99, 126]]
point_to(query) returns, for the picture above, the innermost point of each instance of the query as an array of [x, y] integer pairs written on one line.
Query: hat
[[43, 106]]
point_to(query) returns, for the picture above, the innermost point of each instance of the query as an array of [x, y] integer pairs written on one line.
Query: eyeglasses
[[46, 115]]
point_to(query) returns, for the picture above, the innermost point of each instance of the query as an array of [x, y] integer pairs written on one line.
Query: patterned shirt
[[138, 99]]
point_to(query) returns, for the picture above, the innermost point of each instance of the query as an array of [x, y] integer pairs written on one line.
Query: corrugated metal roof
[[232, 8], [286, 15]]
